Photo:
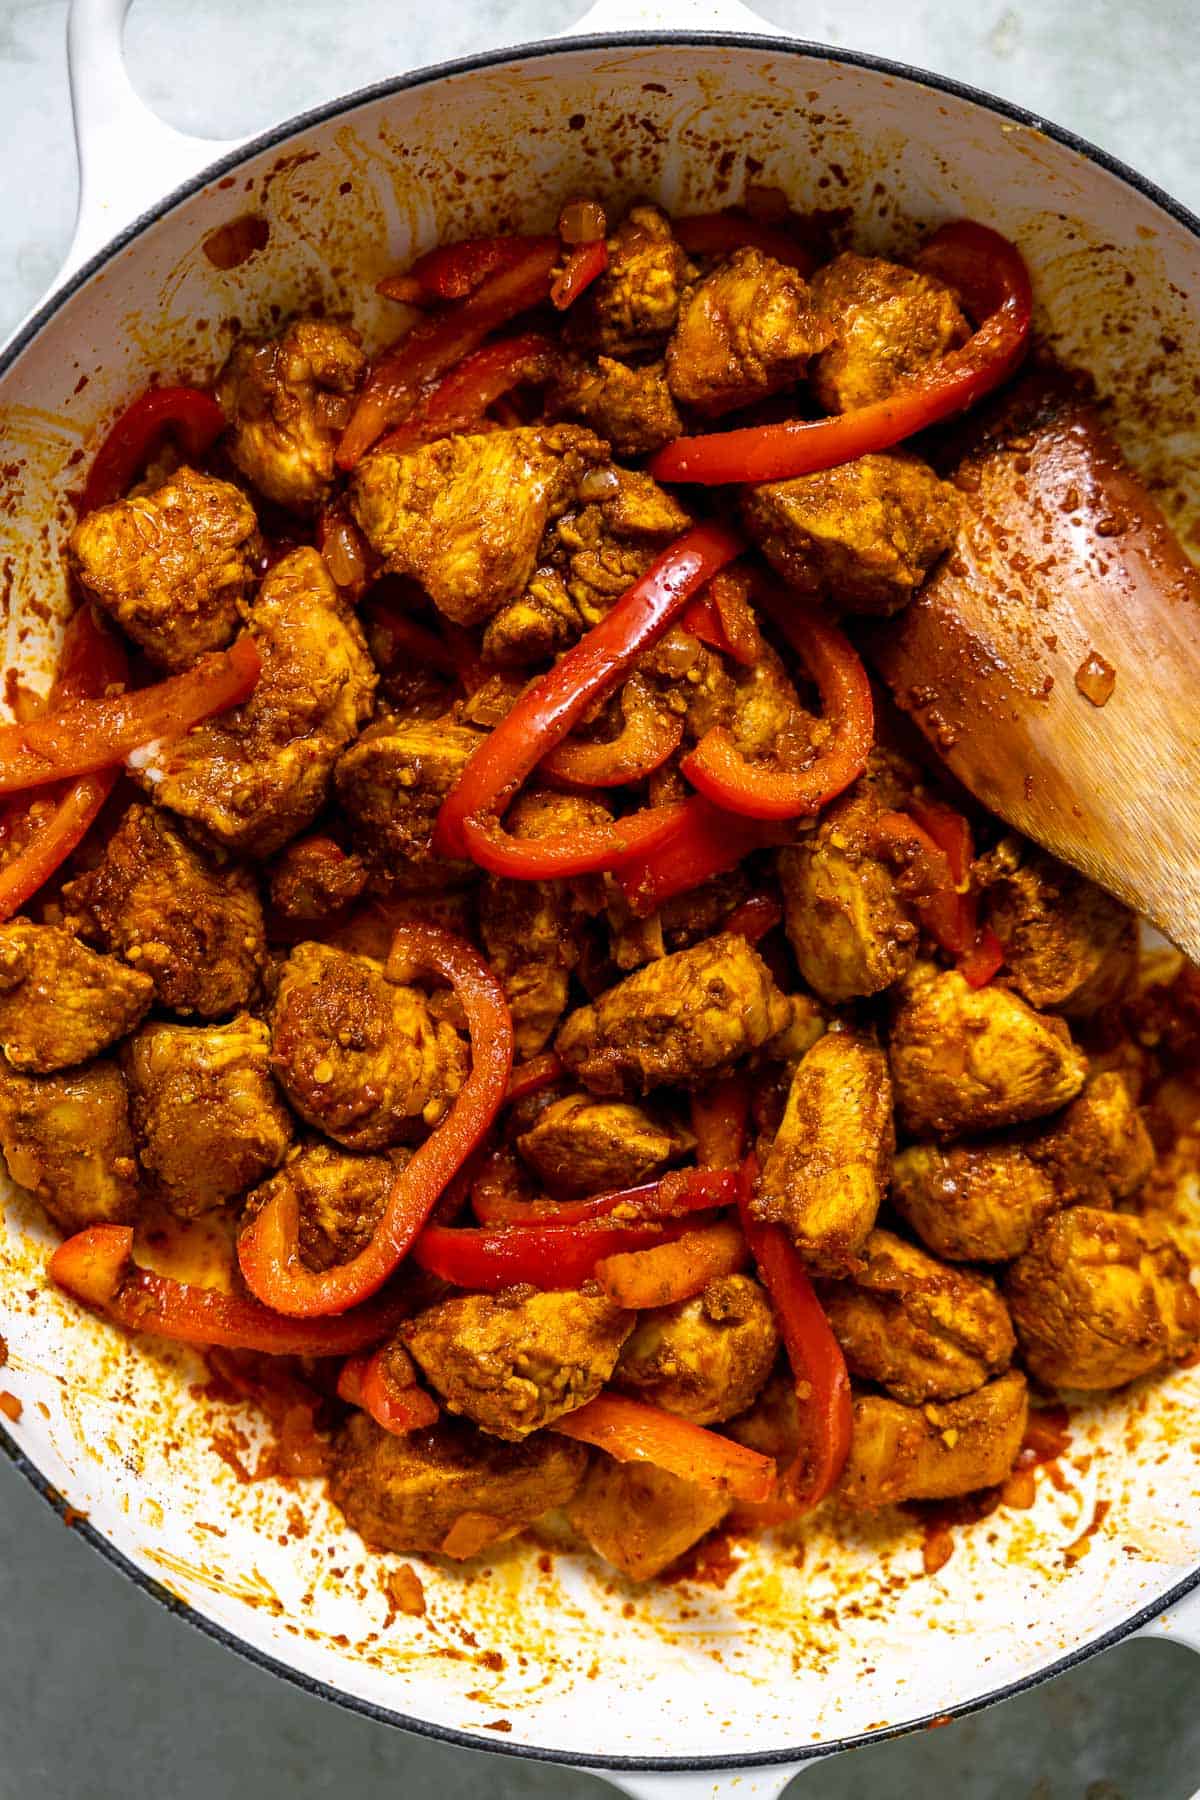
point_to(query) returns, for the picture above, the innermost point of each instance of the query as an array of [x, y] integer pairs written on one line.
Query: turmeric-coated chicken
[[67, 1139], [640, 1518], [864, 533], [360, 1057], [966, 1059], [1098, 1149], [921, 1330], [633, 305], [313, 879], [581, 1145], [630, 406], [517, 1360], [172, 567], [450, 1488], [288, 398], [392, 781], [746, 331], [889, 323], [690, 1015], [704, 1358], [257, 775], [1100, 1298], [623, 519], [1067, 944], [207, 1117], [935, 1451], [464, 515], [193, 923], [61, 1003], [339, 1198], [826, 1173]]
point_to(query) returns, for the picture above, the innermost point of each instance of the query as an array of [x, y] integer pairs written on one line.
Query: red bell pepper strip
[[545, 1256], [462, 397], [722, 618], [96, 1266], [947, 915], [85, 735], [819, 1368], [720, 1114], [648, 737], [452, 271], [755, 917], [636, 1431], [396, 379], [531, 1076], [983, 959], [269, 1247], [468, 823], [723, 775], [992, 278], [707, 841], [680, 1191], [583, 265], [188, 413], [721, 233], [668, 1273], [384, 1385], [951, 833]]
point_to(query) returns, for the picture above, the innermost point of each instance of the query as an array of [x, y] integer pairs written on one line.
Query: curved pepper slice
[[671, 1272], [461, 398], [269, 1247], [706, 841], [545, 1256], [452, 271], [583, 265], [947, 914], [648, 737], [384, 1384], [97, 1267], [680, 1191], [187, 413], [636, 1431], [993, 281]]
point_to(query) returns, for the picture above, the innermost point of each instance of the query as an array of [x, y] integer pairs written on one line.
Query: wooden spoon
[[1053, 660]]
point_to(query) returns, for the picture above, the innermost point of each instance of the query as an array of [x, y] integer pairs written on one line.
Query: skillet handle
[[1180, 1624], [128, 157], [716, 1784], [669, 15]]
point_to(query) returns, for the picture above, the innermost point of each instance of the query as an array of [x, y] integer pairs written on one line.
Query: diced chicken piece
[[464, 515], [584, 1146], [747, 330], [360, 1057], [535, 626], [340, 1199], [61, 1003], [692, 1014], [827, 1171], [287, 400], [921, 1330], [1100, 1298], [207, 1117], [934, 1452], [1170, 1201], [641, 1519], [171, 567], [865, 533], [1068, 945], [520, 1359], [67, 1139], [392, 781], [807, 1023], [631, 407], [314, 878], [772, 1425], [889, 323], [966, 1059], [193, 924], [1098, 1150], [634, 304], [850, 928], [972, 1202], [410, 1493], [704, 1358], [257, 775]]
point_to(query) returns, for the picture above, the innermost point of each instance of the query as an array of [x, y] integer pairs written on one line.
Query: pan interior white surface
[[796, 1649]]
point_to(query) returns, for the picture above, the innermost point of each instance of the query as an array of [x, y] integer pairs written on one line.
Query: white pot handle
[[669, 15], [1181, 1625], [727, 1784], [128, 157]]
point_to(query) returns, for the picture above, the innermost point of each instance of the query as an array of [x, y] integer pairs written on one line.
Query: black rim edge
[[24, 336]]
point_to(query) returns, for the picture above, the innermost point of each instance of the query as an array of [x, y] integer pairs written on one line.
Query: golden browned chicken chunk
[[634, 304], [807, 1023], [61, 1003], [451, 1488], [314, 878], [207, 1117], [193, 924], [865, 533], [966, 1059], [580, 1145], [170, 567], [1067, 944], [826, 1173], [747, 330], [972, 1202], [67, 1139], [689, 1015], [921, 1330], [392, 781], [340, 1198], [360, 1057], [602, 544], [851, 930], [464, 515], [1098, 1149], [934, 1452], [704, 1358], [287, 400], [259, 774], [889, 323], [518, 1360], [1100, 1298], [631, 407], [641, 1519]]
